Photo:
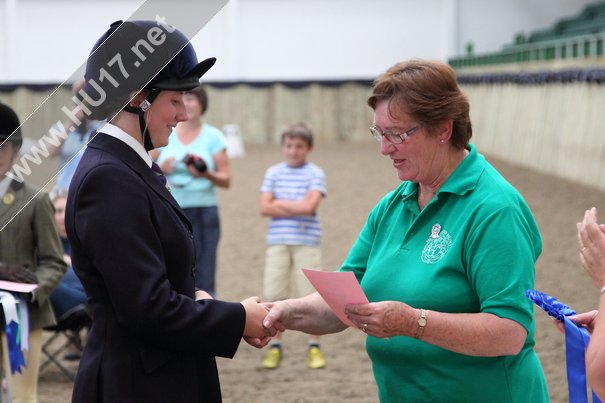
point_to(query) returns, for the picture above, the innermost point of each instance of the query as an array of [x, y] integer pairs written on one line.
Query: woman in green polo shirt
[[444, 259]]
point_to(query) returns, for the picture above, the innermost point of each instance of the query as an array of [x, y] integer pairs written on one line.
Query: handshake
[[255, 332]]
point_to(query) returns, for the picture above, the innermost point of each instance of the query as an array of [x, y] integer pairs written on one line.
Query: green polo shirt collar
[[461, 181]]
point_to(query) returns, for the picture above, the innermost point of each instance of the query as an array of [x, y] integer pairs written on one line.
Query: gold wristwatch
[[421, 324]]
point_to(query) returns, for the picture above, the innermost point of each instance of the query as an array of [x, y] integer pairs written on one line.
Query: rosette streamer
[[576, 342], [15, 316]]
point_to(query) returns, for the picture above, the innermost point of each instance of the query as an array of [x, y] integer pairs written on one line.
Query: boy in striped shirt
[[290, 195]]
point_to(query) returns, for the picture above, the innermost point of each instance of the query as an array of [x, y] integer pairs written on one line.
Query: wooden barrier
[[553, 128]]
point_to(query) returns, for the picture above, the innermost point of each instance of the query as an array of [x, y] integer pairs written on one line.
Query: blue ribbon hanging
[[15, 310], [576, 343], [15, 354]]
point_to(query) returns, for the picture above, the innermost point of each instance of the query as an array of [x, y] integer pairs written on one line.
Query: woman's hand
[[384, 319], [258, 342], [478, 334], [194, 172], [255, 315], [279, 315], [591, 243], [586, 320], [201, 294], [168, 165], [309, 314]]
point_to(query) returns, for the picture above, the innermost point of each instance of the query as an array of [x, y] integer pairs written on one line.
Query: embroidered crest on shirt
[[436, 245]]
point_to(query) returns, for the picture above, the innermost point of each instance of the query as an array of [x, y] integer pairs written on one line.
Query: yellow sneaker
[[315, 358], [272, 359]]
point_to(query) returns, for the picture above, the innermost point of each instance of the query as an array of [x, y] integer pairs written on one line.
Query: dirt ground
[[357, 176]]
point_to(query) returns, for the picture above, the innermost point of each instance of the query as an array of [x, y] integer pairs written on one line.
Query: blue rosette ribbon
[[16, 320], [576, 343], [15, 353]]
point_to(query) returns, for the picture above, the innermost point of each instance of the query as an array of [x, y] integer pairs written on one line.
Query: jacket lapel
[[129, 157]]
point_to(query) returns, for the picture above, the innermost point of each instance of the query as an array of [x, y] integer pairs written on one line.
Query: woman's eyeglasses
[[393, 138]]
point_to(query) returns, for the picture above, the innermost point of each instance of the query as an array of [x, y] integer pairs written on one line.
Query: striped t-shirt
[[293, 183]]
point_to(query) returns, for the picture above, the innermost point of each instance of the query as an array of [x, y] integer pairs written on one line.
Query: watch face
[[422, 319]]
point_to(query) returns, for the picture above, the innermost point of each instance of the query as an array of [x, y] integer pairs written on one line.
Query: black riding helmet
[[10, 129], [139, 55]]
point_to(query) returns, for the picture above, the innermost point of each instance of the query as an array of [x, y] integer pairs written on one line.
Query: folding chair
[[68, 325]]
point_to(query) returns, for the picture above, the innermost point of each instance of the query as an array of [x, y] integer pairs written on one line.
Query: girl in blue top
[[195, 161]]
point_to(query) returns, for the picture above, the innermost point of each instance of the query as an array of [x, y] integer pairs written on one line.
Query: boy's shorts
[[283, 269]]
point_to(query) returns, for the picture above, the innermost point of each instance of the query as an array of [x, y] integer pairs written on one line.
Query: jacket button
[[193, 271]]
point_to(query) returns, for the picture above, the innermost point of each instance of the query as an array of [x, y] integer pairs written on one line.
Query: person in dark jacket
[[154, 338]]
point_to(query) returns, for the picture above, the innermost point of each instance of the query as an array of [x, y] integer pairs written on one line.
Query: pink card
[[17, 287], [338, 289]]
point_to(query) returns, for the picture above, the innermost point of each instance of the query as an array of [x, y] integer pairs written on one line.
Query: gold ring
[[365, 328]]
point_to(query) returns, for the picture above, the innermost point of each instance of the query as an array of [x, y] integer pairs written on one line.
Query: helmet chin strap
[[144, 107]]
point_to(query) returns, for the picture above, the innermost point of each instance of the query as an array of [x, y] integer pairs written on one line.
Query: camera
[[198, 163]]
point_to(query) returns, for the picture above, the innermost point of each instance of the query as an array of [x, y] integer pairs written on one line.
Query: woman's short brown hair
[[427, 91], [202, 97]]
